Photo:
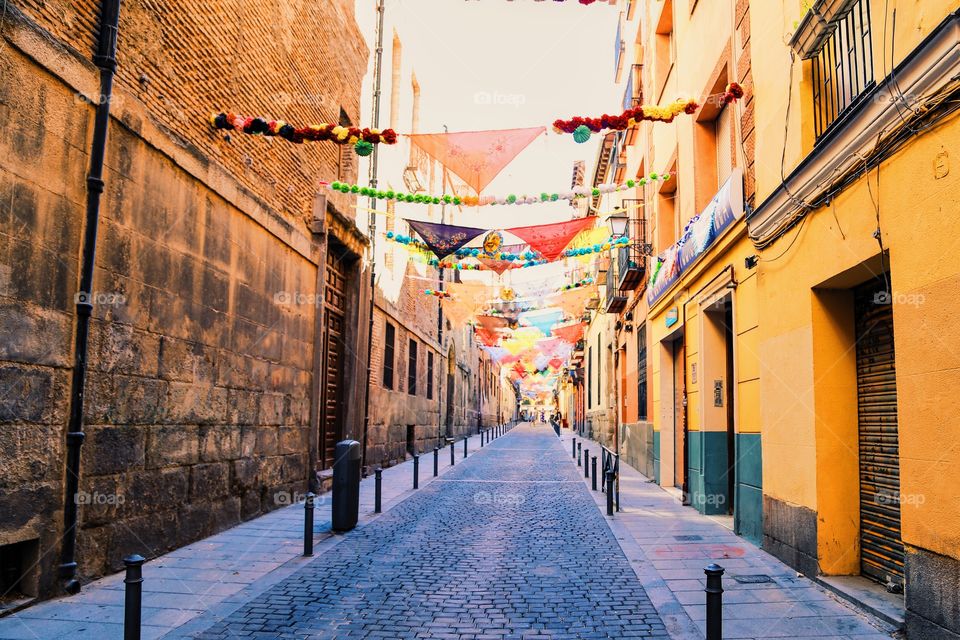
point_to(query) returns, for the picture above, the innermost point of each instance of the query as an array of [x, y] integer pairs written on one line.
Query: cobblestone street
[[508, 544]]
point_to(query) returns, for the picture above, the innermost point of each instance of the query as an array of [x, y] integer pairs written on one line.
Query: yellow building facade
[[800, 284], [856, 281]]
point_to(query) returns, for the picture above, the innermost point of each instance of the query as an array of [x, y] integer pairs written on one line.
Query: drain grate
[[753, 579], [688, 538]]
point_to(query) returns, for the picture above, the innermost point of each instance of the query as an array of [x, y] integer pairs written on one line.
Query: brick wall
[[198, 394], [746, 104]]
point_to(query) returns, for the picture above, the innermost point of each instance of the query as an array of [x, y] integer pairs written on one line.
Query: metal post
[[378, 485], [610, 490], [416, 471], [593, 463], [482, 432], [133, 596], [586, 463], [452, 455], [308, 525], [616, 467], [573, 448], [465, 438], [436, 461], [714, 602], [579, 451]]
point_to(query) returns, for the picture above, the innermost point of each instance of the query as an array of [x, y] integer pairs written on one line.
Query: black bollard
[[573, 448], [452, 455], [593, 463], [465, 438], [377, 486], [714, 602], [579, 452], [482, 432], [133, 596], [308, 525], [416, 471], [610, 481], [586, 463], [436, 461]]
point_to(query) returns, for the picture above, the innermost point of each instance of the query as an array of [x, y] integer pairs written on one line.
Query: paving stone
[[508, 543]]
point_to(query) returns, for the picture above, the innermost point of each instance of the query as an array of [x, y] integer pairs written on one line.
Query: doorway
[[680, 416], [881, 544], [334, 312]]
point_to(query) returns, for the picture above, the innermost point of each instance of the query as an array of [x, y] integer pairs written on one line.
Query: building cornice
[[928, 68]]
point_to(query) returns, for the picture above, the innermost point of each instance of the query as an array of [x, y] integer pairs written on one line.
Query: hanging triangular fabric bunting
[[458, 311], [574, 301], [542, 320], [492, 323], [476, 156], [444, 239], [570, 333], [551, 239], [501, 265], [488, 338]]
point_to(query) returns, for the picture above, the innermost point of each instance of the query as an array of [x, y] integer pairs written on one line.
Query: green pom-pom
[[457, 200], [409, 198], [447, 199], [335, 185], [363, 148], [544, 196], [631, 184], [381, 195], [643, 181], [581, 134], [391, 194], [355, 189], [511, 198], [436, 200], [654, 176], [554, 197], [364, 191], [596, 191]]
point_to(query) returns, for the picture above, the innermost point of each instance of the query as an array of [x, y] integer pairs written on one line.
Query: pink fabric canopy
[[476, 156]]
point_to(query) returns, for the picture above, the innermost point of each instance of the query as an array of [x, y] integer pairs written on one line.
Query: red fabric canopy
[[476, 156], [570, 333], [551, 239]]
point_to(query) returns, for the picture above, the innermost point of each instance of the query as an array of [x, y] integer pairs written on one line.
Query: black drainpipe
[[105, 59]]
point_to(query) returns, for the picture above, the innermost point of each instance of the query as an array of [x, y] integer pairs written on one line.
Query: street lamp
[[617, 221]]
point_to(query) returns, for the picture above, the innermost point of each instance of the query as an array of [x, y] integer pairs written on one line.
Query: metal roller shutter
[[881, 554]]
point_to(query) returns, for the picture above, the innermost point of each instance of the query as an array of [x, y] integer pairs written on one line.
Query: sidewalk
[[216, 575], [669, 545]]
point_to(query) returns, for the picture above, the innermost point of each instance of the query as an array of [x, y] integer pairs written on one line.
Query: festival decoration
[[628, 118], [362, 139], [570, 333], [477, 157], [551, 239], [492, 243], [480, 201], [436, 293], [581, 134], [443, 239]]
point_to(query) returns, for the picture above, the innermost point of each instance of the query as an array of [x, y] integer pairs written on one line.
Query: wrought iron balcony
[[616, 299], [631, 266]]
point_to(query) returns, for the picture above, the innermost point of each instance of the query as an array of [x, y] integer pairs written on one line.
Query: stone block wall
[[200, 380]]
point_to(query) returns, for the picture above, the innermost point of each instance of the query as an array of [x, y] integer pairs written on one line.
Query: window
[[389, 355], [430, 375], [642, 372], [842, 67], [412, 368], [723, 132], [665, 47], [599, 372]]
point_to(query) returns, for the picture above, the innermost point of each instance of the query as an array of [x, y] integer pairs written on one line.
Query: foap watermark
[[497, 498], [296, 298], [100, 298], [97, 99], [708, 499], [497, 99], [893, 297], [317, 100], [887, 497], [285, 498], [97, 498]]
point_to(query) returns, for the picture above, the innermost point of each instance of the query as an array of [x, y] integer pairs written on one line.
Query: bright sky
[[535, 61]]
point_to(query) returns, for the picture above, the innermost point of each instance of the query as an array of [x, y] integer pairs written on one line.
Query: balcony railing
[[616, 299], [632, 259]]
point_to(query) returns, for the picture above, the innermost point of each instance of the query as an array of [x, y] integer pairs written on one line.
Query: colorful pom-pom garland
[[437, 294], [627, 119], [361, 139], [478, 201]]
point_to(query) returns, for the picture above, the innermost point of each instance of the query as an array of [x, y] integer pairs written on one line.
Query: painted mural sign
[[700, 233]]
